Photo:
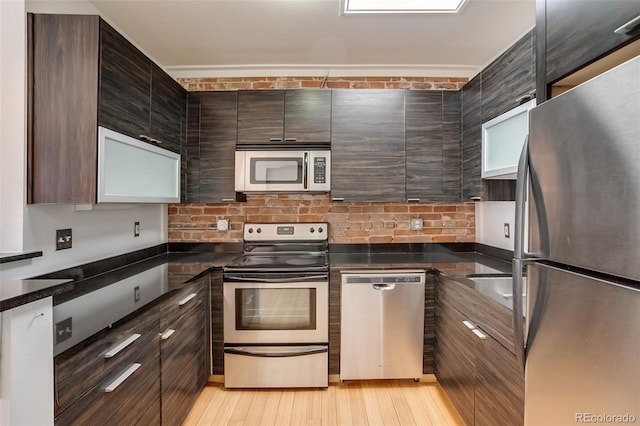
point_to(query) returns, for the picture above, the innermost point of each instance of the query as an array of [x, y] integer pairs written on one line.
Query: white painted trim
[[320, 70]]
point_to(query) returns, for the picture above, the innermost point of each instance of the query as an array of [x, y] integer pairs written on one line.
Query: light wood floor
[[384, 402]]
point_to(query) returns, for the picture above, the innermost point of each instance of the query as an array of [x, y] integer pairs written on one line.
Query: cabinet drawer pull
[[290, 139], [337, 198], [275, 139], [116, 349], [629, 27], [124, 376], [167, 334], [415, 200], [187, 299], [479, 333], [469, 325], [227, 200]]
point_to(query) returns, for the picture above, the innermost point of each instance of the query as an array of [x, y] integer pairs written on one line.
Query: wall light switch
[[416, 224], [507, 233]]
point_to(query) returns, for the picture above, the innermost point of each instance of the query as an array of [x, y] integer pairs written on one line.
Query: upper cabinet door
[[125, 85], [367, 146], [307, 116], [168, 101], [433, 146], [578, 32], [509, 80], [260, 116], [218, 115]]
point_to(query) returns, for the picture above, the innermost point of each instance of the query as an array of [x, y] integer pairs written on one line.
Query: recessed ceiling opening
[[401, 6]]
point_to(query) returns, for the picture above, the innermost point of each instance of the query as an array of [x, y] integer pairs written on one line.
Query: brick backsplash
[[348, 222], [254, 83]]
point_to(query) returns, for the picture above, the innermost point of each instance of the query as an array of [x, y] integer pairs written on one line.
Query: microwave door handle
[[304, 170]]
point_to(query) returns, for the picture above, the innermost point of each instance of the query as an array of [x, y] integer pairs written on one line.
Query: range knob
[[250, 230], [320, 230], [312, 230], [258, 230]]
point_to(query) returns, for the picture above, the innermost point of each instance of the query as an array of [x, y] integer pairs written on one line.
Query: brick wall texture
[[255, 83], [348, 222]]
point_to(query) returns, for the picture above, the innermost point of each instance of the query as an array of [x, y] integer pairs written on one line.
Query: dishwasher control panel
[[383, 277]]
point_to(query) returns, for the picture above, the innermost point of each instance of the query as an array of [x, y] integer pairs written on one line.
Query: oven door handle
[[241, 278], [267, 352]]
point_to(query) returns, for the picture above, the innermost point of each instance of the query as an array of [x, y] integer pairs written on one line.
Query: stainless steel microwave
[[283, 171]]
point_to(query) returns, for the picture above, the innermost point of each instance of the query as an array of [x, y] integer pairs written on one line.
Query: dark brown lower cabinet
[[182, 351], [152, 380], [481, 376], [122, 389]]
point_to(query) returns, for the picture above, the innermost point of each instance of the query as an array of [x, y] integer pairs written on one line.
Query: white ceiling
[[310, 37]]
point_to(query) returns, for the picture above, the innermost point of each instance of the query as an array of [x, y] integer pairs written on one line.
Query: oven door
[[271, 308], [271, 171]]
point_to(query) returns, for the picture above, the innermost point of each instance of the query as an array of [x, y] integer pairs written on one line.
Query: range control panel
[[316, 231]]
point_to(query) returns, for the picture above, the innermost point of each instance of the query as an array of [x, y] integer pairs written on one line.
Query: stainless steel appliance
[[283, 170], [276, 307], [382, 324], [582, 333]]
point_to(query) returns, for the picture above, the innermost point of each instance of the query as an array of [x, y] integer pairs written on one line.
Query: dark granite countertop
[[15, 256], [77, 281]]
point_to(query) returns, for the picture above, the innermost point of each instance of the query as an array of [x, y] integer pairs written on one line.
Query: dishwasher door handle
[[383, 287]]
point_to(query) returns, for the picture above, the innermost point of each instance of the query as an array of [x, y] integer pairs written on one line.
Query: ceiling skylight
[[402, 6]]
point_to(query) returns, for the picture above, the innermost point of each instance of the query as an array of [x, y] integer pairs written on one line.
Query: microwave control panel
[[320, 170]]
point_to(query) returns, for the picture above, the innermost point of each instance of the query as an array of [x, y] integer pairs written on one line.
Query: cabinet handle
[[187, 299], [227, 200], [167, 334], [124, 376], [337, 198], [275, 139], [290, 139], [417, 200], [145, 138], [469, 325], [117, 349], [479, 333], [629, 27]]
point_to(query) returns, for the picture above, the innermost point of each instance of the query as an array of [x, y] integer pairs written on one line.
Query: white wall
[[96, 234], [490, 219], [12, 122]]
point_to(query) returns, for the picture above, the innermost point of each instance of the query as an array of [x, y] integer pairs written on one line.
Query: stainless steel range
[[276, 308]]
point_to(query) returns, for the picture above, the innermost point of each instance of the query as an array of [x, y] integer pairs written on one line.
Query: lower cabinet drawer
[[124, 397], [79, 371]]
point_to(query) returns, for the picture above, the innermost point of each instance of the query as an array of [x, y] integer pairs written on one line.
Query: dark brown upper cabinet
[[502, 85], [83, 74], [575, 33], [284, 117], [432, 126], [211, 143], [368, 145], [137, 97], [509, 80]]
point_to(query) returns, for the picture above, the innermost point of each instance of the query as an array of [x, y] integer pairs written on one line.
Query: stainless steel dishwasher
[[382, 324]]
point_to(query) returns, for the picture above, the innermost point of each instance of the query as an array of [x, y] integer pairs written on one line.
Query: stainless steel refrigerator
[[580, 176]]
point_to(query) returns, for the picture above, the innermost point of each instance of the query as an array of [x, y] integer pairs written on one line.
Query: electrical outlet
[[63, 239], [63, 330], [416, 224], [507, 233], [136, 229], [136, 294]]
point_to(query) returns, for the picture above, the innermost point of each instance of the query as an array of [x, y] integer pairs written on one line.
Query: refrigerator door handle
[[521, 191], [519, 253], [518, 314]]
